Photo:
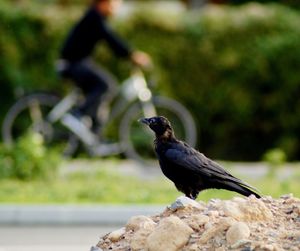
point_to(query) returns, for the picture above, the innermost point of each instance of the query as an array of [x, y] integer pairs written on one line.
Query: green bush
[[292, 3], [235, 68], [29, 44], [28, 159]]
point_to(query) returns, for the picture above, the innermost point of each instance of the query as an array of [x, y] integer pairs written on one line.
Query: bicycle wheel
[[138, 139], [29, 115]]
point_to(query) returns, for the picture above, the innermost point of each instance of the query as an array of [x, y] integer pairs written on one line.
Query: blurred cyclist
[[75, 62]]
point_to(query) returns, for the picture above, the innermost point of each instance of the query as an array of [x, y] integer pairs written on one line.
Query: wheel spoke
[[29, 113]]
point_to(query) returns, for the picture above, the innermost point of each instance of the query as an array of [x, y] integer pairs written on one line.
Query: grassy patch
[[109, 185]]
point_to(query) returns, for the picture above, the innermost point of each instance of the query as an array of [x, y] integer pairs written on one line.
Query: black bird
[[189, 169]]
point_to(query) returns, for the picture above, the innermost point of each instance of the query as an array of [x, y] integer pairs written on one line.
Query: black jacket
[[91, 29]]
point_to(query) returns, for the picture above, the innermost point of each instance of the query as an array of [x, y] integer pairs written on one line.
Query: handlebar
[[143, 71]]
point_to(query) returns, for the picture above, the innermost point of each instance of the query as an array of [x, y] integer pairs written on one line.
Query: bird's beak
[[144, 121]]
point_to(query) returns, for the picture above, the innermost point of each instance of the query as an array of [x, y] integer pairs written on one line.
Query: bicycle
[[49, 116]]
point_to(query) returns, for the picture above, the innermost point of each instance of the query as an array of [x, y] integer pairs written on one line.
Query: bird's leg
[[194, 194], [190, 195], [193, 197]]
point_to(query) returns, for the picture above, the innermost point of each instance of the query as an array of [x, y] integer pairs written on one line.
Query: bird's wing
[[190, 159]]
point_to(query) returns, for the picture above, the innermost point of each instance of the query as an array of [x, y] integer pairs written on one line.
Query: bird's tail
[[241, 188]]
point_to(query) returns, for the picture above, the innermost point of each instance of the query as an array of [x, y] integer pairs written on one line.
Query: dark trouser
[[93, 81]]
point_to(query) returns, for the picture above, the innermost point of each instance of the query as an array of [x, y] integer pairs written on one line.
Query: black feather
[[190, 170]]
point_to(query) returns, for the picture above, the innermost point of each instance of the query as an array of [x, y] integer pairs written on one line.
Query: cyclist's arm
[[119, 47]]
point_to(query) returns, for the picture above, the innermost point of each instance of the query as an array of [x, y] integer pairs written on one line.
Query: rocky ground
[[238, 224]]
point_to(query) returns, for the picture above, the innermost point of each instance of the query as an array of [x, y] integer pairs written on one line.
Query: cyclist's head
[[107, 7]]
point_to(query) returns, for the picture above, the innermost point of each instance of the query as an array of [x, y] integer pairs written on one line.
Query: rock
[[208, 225], [291, 200], [197, 221], [286, 196], [297, 210], [95, 249], [237, 232], [240, 244], [255, 210], [193, 247], [182, 202], [170, 235], [136, 222], [213, 213], [117, 234], [231, 209], [249, 210], [239, 199], [138, 240], [267, 247], [142, 226], [224, 224]]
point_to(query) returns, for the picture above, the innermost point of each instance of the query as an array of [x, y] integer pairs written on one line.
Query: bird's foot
[[182, 202]]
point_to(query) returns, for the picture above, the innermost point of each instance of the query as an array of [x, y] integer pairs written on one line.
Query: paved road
[[62, 227], [51, 238]]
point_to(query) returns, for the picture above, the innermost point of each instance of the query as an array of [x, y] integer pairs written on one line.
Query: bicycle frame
[[132, 100], [132, 89]]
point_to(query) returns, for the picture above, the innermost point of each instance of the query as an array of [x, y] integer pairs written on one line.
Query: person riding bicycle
[[75, 62]]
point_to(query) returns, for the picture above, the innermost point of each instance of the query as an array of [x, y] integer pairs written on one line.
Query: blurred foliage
[[28, 159], [275, 157], [291, 3], [29, 46], [235, 68]]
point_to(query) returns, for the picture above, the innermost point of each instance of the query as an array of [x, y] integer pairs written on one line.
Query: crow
[[190, 170]]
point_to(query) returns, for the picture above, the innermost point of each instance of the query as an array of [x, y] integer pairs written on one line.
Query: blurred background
[[233, 64]]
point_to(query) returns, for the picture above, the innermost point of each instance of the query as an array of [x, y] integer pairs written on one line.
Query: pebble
[[136, 222], [95, 249], [286, 196], [170, 235], [241, 243], [139, 238], [213, 213], [237, 232], [117, 234], [224, 224], [197, 221]]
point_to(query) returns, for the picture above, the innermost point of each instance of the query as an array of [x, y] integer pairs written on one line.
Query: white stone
[[197, 221], [117, 234], [224, 224], [170, 235], [252, 209], [138, 240], [136, 222], [238, 231]]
